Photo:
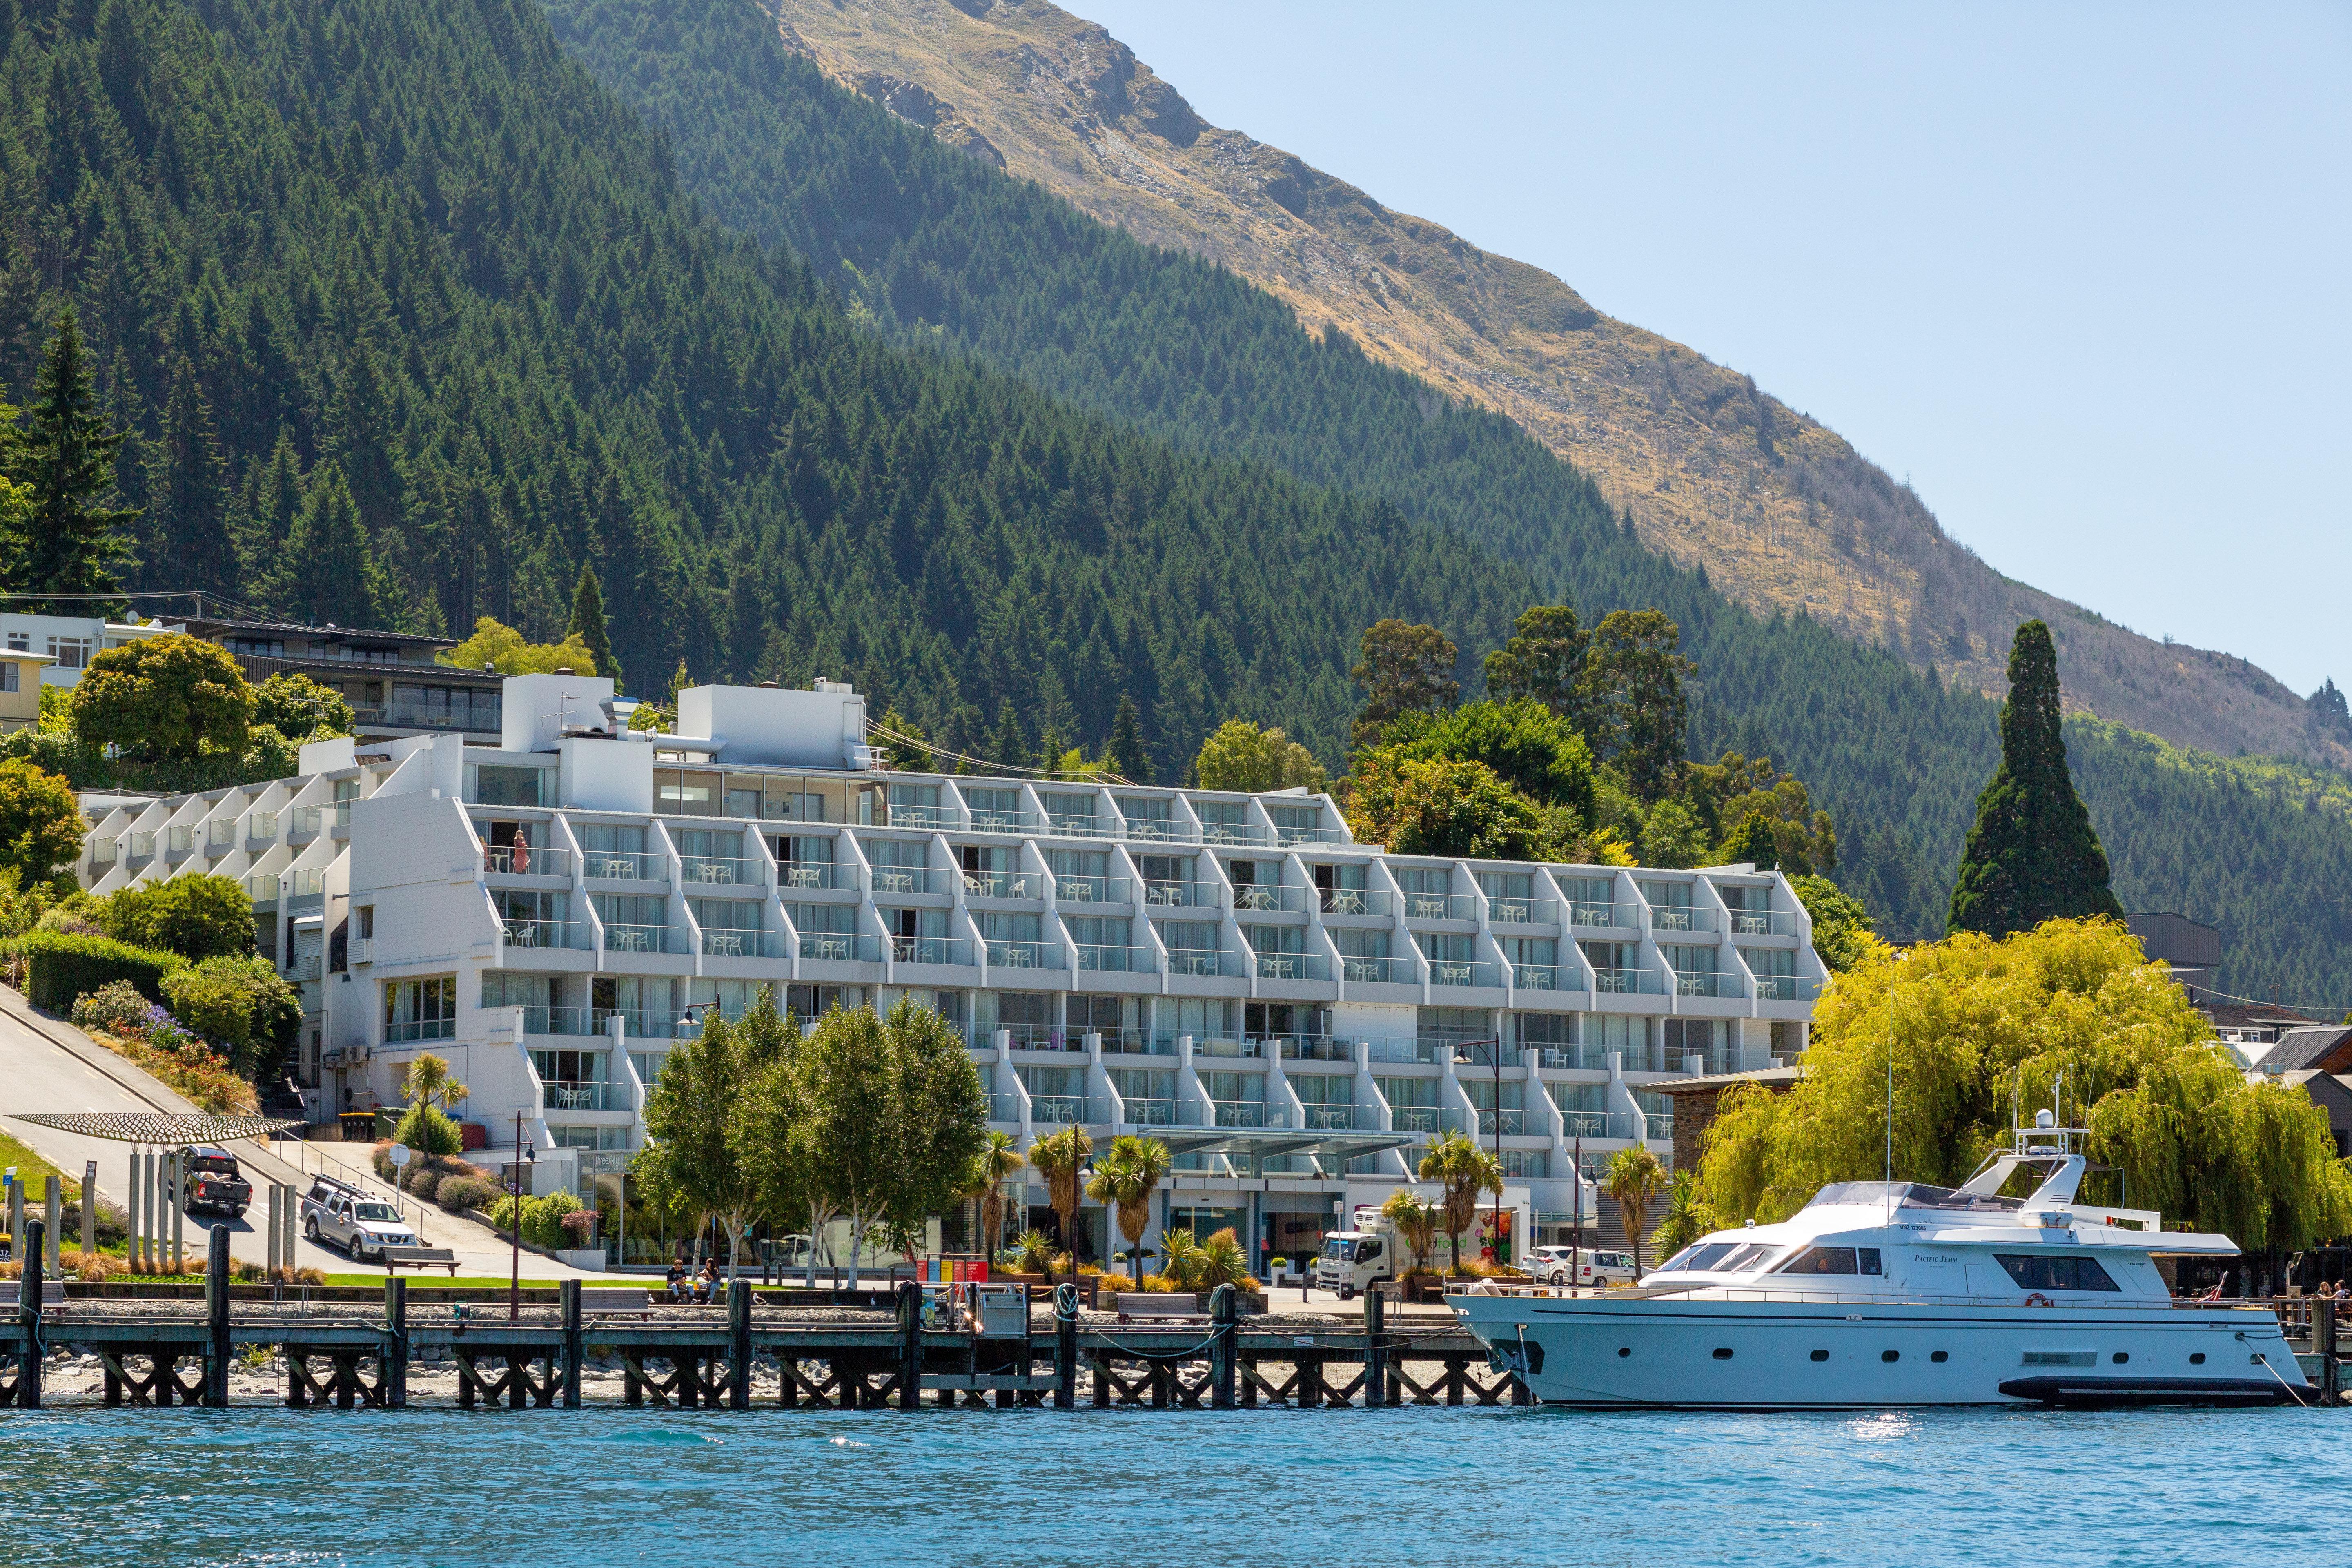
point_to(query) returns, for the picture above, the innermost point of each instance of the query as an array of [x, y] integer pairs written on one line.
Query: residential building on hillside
[[20, 688], [1296, 1014], [394, 682]]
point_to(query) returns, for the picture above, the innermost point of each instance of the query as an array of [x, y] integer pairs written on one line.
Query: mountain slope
[[1780, 509]]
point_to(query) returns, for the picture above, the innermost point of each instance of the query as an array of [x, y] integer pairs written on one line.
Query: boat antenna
[[1890, 1105]]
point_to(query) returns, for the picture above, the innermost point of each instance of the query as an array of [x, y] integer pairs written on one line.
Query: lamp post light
[[525, 1155]]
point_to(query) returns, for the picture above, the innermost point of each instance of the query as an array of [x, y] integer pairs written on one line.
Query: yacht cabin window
[[2048, 1271], [1833, 1261]]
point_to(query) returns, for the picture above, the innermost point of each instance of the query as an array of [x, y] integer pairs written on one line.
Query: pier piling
[[29, 1312], [217, 1340], [738, 1345], [1065, 1347], [54, 1222], [395, 1343], [1376, 1349], [573, 1348], [1224, 1323], [911, 1345], [89, 1206], [2322, 1339]]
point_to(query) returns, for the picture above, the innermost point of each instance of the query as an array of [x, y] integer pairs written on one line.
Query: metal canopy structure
[[154, 1127], [1269, 1142]]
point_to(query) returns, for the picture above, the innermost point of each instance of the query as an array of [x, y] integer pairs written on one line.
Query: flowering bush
[[116, 1006]]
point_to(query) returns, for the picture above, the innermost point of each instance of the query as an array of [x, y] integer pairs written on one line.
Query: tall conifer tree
[[1129, 757], [326, 575], [2033, 855], [72, 542], [588, 624], [189, 545]]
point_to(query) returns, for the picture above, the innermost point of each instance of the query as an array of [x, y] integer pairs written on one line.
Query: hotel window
[[420, 1009], [496, 785], [258, 647], [71, 653], [684, 793]]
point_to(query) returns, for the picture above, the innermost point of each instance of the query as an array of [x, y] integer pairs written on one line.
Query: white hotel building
[[1293, 1013]]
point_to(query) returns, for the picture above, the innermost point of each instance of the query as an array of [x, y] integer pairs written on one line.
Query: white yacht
[[1895, 1293]]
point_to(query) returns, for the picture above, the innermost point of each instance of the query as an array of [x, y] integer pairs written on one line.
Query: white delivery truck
[[1358, 1260]]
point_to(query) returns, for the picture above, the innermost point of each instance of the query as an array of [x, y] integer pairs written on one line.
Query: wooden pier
[[360, 1354]]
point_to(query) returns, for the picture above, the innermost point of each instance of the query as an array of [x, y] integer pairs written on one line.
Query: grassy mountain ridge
[[1781, 510]]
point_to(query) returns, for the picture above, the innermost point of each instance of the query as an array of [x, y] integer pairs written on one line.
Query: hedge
[[62, 968]]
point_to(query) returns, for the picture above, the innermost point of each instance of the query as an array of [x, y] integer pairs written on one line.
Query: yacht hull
[[1787, 1354]]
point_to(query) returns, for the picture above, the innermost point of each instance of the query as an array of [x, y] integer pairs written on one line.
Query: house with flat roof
[[1296, 1014]]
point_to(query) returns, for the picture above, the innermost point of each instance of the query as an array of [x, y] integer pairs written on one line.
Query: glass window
[[420, 1009], [499, 785], [10, 677], [2049, 1272], [684, 793], [1408, 1091], [1699, 1258], [1821, 1260]]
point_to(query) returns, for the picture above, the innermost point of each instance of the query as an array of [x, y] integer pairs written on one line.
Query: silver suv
[[361, 1225]]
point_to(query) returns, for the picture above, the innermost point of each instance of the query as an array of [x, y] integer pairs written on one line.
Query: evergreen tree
[[1128, 756], [72, 541], [1752, 842], [188, 533], [325, 574], [588, 624], [1404, 669], [1544, 659], [1008, 745], [2033, 855], [1633, 690], [679, 681]]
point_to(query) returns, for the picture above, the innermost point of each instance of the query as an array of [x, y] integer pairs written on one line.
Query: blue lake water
[[457, 1490]]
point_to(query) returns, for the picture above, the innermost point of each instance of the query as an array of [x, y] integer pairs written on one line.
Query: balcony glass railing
[[1000, 1106], [1788, 988], [1353, 900], [1293, 966], [645, 1023], [815, 876], [1090, 889], [1008, 822], [306, 821], [1039, 1037], [1274, 896], [220, 833], [1464, 972], [903, 879], [310, 881], [418, 1029], [935, 817], [1660, 1125], [644, 938], [343, 814], [1584, 1123], [1547, 977], [1249, 1051], [1183, 895], [948, 949], [1066, 1109], [1761, 922], [523, 930], [1675, 917], [1313, 1048], [1004, 885], [179, 840], [706, 871], [1440, 906], [1025, 955], [1405, 1050], [1289, 834], [1522, 911], [556, 1021], [555, 1096], [261, 825], [1339, 1118], [1117, 960], [526, 861], [1628, 983], [624, 866], [1072, 824], [840, 947], [1136, 1043], [1380, 971], [1250, 1113], [1708, 982], [142, 845], [1514, 1123], [1427, 1120], [723, 943], [261, 888], [1612, 917], [1231, 833], [1159, 830], [1210, 962], [1156, 1113]]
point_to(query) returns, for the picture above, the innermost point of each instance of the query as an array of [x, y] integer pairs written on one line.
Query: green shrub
[[427, 1129], [423, 1179], [240, 1004], [458, 1193], [195, 916], [116, 1007], [62, 968], [542, 1218]]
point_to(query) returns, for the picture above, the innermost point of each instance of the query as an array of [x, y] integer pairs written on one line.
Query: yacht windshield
[[1911, 1195], [1699, 1259], [1747, 1256]]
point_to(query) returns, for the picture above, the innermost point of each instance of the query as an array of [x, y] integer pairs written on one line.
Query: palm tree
[[1061, 1159], [1125, 1180], [1222, 1261], [995, 1165], [1635, 1177], [1687, 1216], [1463, 1169], [1415, 1221]]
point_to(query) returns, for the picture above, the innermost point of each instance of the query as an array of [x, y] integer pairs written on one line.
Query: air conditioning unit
[[331, 1058], [361, 950]]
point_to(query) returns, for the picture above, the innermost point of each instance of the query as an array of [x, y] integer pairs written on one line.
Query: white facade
[[1295, 1014], [71, 642]]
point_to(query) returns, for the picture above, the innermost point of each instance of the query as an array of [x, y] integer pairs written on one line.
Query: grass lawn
[[34, 1171], [467, 1281]]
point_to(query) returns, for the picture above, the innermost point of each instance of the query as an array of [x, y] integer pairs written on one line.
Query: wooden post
[[17, 1219], [2322, 1339], [285, 1248], [179, 1180], [573, 1348], [911, 1345], [1224, 1323], [216, 1343], [54, 1222], [395, 1342], [131, 1200], [89, 1206], [273, 1232], [1376, 1349], [28, 1313], [1065, 1347], [738, 1345]]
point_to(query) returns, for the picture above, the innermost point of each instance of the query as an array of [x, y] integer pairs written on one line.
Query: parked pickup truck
[[213, 1181], [361, 1225]]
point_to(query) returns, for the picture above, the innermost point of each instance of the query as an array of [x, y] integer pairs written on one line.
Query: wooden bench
[[397, 1257], [612, 1299], [12, 1294], [1135, 1304]]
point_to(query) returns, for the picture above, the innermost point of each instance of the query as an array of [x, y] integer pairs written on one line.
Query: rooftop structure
[[1295, 1013]]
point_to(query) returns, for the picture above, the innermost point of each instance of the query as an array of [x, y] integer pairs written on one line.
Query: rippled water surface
[[1330, 1487]]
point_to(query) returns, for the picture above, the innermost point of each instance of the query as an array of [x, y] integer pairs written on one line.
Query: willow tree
[[1935, 1051]]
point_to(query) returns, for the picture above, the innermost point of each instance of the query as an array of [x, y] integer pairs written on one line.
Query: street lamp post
[[524, 1155]]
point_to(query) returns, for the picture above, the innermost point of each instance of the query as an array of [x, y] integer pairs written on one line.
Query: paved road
[[38, 1073]]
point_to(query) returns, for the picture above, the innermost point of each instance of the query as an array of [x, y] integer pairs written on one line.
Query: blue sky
[[2079, 272]]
